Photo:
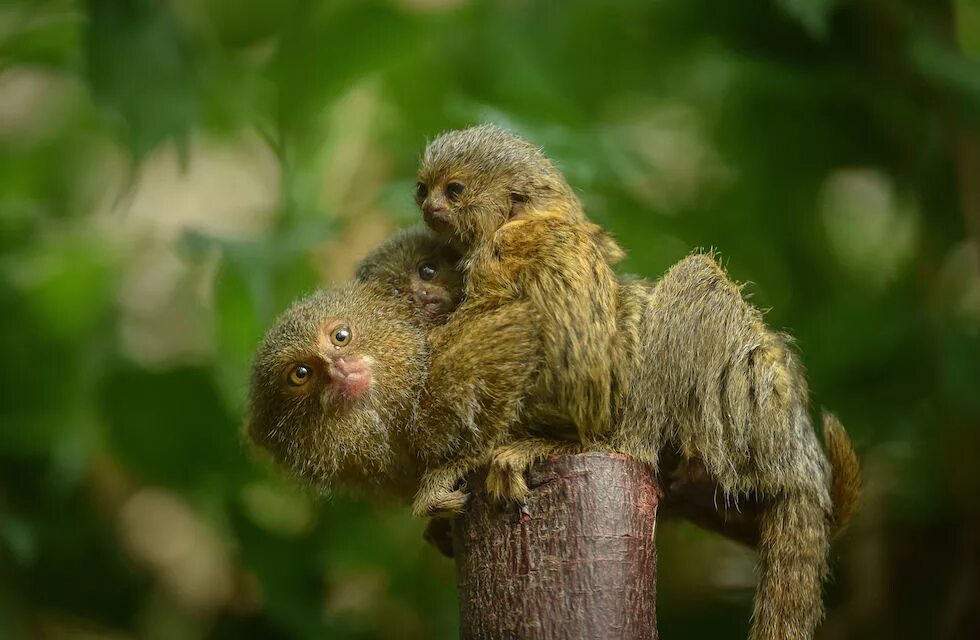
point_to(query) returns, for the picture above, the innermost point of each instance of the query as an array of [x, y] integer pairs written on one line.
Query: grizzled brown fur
[[502, 176], [726, 396], [693, 434], [406, 286], [714, 399], [534, 261], [689, 367]]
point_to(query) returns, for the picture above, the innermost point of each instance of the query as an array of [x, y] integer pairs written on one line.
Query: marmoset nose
[[433, 210], [350, 376], [430, 302], [435, 216]]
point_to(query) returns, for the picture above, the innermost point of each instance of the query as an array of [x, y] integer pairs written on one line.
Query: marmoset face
[[471, 182], [420, 268], [334, 379]]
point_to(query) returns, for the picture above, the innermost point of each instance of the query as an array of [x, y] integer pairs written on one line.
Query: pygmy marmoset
[[420, 269], [339, 375], [691, 369], [333, 380], [331, 427], [536, 270], [698, 386]]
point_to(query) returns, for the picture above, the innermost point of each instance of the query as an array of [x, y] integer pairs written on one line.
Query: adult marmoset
[[338, 377], [725, 397], [332, 383], [716, 402]]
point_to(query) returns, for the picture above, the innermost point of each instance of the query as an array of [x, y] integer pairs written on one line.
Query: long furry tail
[[845, 479], [792, 568]]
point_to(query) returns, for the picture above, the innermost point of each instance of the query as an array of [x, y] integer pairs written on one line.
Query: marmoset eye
[[427, 271], [421, 191], [299, 375], [341, 336], [454, 190]]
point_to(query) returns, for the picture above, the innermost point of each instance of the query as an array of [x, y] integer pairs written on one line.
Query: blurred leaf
[[813, 15], [171, 428], [17, 539], [12, 613], [967, 14], [960, 372], [69, 541], [293, 583], [950, 70], [325, 47], [236, 27], [40, 33], [67, 284], [242, 303], [279, 509], [143, 71]]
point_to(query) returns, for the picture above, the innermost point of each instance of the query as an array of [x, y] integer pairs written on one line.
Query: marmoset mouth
[[436, 220]]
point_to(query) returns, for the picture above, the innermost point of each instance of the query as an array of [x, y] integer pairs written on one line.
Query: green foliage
[[142, 70], [813, 15], [173, 174]]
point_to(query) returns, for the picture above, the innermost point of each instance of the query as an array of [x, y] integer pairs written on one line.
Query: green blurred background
[[174, 172]]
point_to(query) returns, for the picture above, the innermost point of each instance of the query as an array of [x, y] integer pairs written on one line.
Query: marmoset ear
[[608, 247], [518, 205]]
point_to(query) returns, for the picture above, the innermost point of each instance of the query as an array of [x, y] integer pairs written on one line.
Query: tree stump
[[577, 561]]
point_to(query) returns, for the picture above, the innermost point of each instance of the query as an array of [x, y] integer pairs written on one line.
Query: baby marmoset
[[419, 268], [536, 270]]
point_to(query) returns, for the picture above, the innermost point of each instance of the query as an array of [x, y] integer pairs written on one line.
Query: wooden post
[[578, 561]]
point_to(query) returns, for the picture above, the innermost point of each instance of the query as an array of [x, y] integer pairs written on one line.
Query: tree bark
[[578, 560]]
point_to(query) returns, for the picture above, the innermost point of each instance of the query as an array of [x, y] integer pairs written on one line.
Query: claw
[[445, 505]]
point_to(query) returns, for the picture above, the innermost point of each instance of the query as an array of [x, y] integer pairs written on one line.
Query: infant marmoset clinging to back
[[537, 272]]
